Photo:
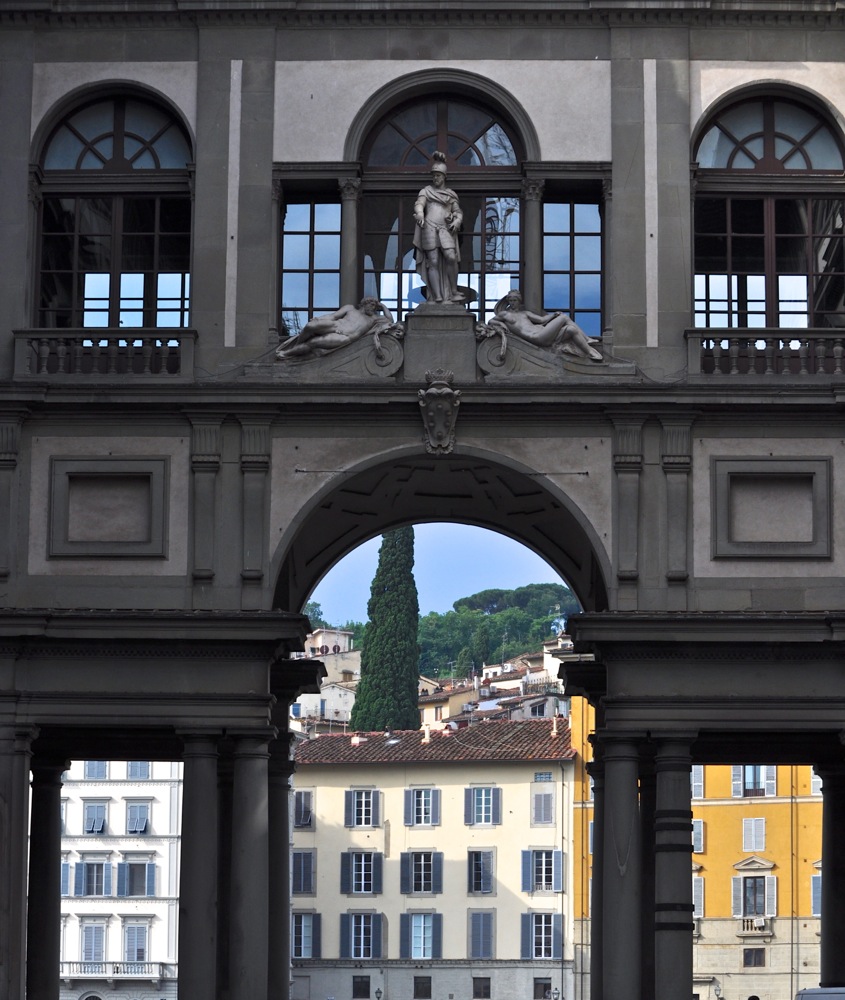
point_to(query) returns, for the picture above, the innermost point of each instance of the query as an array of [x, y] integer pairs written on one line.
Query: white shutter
[[754, 834], [736, 781], [771, 895], [697, 781], [736, 896], [771, 779], [698, 836], [697, 896], [816, 894]]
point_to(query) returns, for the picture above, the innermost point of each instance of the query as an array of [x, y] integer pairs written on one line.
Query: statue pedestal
[[440, 336]]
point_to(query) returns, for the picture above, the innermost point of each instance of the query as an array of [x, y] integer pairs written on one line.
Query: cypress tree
[[387, 692]]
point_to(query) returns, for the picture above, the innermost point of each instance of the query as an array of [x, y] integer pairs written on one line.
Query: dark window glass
[[481, 988], [310, 262], [360, 987], [754, 896], [572, 262], [422, 987], [753, 958]]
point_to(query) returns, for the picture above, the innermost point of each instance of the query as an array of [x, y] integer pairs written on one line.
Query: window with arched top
[[114, 243], [486, 167], [769, 218]]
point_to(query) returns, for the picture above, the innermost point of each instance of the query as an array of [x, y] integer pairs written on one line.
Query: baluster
[[769, 351], [717, 357], [803, 353], [837, 356], [130, 356], [111, 351], [752, 356], [76, 355], [147, 354], [821, 355], [168, 354], [96, 357], [61, 357], [733, 349], [31, 352], [43, 355], [786, 357]]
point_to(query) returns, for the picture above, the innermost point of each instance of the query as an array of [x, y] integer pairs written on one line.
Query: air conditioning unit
[[759, 923]]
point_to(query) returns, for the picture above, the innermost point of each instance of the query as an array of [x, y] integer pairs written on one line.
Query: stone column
[[622, 875], [833, 877], [281, 769], [44, 913], [15, 755], [596, 772], [648, 796], [225, 770], [249, 905], [10, 434], [673, 925], [350, 195], [532, 238], [198, 871]]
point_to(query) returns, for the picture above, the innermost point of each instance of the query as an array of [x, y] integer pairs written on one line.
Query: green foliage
[[492, 625], [314, 613], [387, 692]]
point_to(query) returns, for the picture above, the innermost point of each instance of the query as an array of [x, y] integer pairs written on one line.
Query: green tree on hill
[[387, 692]]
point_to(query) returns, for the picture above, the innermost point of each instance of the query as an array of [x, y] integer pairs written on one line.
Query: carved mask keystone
[[439, 407]]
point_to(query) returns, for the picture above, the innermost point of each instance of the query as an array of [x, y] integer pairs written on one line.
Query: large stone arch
[[477, 487]]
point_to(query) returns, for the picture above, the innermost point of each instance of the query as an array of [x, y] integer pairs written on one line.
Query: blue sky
[[450, 561]]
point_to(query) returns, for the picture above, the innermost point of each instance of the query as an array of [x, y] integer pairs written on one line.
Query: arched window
[[115, 218], [769, 218]]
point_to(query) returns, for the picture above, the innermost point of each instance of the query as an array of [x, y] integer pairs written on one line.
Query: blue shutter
[[405, 872], [377, 935], [525, 949], [475, 933], [79, 879], [151, 880], [348, 813], [437, 872], [65, 878], [306, 872], [470, 855], [107, 879], [404, 935], [486, 871], [316, 936], [346, 873], [557, 935], [527, 857], [345, 935], [409, 807], [377, 871], [468, 796], [557, 871], [122, 877], [376, 810], [497, 806], [481, 935], [437, 935], [435, 807]]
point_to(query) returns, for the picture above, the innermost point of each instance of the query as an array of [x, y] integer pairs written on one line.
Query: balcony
[[94, 356], [753, 927], [766, 353], [112, 972]]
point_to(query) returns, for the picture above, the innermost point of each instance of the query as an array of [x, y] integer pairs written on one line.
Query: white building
[[120, 864]]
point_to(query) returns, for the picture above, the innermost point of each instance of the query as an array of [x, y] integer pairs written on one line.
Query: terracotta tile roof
[[489, 741]]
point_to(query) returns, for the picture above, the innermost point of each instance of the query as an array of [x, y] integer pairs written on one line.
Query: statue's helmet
[[438, 162]]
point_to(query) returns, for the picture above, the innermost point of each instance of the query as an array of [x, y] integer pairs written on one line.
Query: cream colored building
[[434, 864]]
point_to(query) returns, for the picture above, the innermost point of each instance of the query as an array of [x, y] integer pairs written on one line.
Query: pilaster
[[255, 466], [205, 465], [532, 235], [628, 465], [676, 458], [350, 197]]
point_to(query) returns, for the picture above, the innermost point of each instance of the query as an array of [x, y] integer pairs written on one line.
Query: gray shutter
[[377, 935], [481, 935], [527, 881], [345, 873], [557, 935], [65, 878], [747, 834], [107, 879], [557, 871], [437, 871], [697, 896], [525, 949], [736, 896], [435, 807], [697, 781], [771, 895], [79, 879], [486, 871], [770, 781], [122, 877], [348, 814], [470, 866], [816, 894], [377, 872], [151, 880], [409, 807], [307, 872], [497, 806], [468, 817], [405, 872], [736, 781], [316, 936], [697, 836], [345, 935], [376, 810], [437, 935], [404, 935]]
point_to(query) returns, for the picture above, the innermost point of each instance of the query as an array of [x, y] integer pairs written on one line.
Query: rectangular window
[[754, 896], [360, 987], [362, 935], [482, 806], [541, 935], [480, 874], [96, 770], [137, 770], [590, 835], [543, 776], [481, 988], [94, 817], [305, 935], [542, 812], [753, 958], [302, 864], [542, 871], [93, 947], [135, 945], [572, 262], [481, 934], [302, 814], [754, 834], [697, 896], [137, 817], [362, 871], [542, 989], [310, 262], [422, 806], [422, 987], [136, 878], [753, 780], [815, 783], [816, 895], [421, 871], [422, 928], [94, 871], [539, 710], [361, 807], [697, 781]]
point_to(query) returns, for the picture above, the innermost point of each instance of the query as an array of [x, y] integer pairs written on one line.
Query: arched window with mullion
[[115, 218], [769, 218]]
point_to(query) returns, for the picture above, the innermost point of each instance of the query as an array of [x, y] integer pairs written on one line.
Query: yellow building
[[434, 863]]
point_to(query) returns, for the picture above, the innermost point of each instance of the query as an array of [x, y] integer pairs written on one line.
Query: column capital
[[533, 188], [350, 188]]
